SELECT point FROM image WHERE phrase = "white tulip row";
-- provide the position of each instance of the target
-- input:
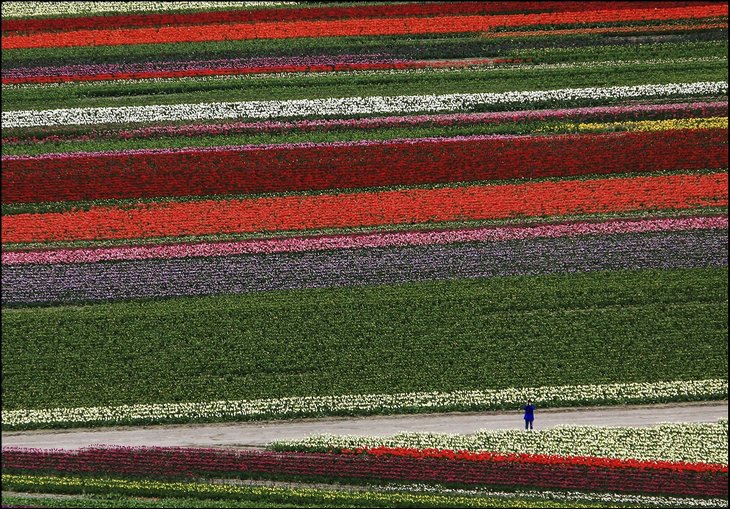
(32, 9)
(562, 496)
(566, 395)
(689, 442)
(341, 106)
(371, 72)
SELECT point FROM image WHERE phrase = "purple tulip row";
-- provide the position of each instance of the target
(82, 69)
(159, 278)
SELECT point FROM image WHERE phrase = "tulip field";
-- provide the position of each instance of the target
(236, 211)
(634, 465)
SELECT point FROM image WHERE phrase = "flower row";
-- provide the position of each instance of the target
(318, 405)
(135, 279)
(389, 207)
(644, 125)
(344, 27)
(231, 69)
(268, 68)
(14, 9)
(223, 76)
(291, 14)
(350, 106)
(358, 241)
(302, 167)
(534, 471)
(699, 443)
(539, 459)
(183, 494)
(566, 497)
(595, 113)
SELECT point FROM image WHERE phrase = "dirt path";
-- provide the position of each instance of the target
(257, 434)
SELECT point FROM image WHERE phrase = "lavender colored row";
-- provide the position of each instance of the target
(107, 281)
(370, 240)
(234, 63)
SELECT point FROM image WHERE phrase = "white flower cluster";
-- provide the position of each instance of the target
(32, 9)
(342, 105)
(329, 405)
(561, 496)
(688, 442)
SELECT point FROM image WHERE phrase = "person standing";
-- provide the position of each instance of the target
(529, 414)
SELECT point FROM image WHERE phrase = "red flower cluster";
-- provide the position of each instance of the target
(537, 459)
(182, 462)
(342, 27)
(371, 208)
(273, 168)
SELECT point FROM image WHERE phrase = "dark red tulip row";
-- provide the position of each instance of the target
(345, 27)
(184, 462)
(279, 168)
(381, 208)
(321, 13)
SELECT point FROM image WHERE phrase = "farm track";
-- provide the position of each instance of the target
(257, 434)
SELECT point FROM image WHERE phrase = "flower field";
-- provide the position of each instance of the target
(224, 211)
(503, 464)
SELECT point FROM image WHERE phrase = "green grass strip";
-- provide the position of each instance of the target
(644, 326)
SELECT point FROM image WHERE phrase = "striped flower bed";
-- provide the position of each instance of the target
(696, 444)
(236, 210)
(363, 404)
(521, 470)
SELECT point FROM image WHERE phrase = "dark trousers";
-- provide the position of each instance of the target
(528, 423)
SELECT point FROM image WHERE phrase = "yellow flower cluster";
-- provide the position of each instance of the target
(640, 125)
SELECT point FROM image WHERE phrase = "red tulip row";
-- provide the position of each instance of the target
(390, 207)
(182, 462)
(278, 168)
(320, 13)
(538, 458)
(233, 71)
(344, 27)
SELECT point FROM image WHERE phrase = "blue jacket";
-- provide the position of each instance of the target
(529, 412)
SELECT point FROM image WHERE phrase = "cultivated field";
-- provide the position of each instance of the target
(215, 212)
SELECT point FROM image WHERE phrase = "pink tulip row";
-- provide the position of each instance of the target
(360, 241)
